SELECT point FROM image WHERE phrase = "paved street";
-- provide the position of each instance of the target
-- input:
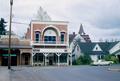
(74, 73)
(4, 74)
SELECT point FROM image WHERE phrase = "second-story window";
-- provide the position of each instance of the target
(62, 37)
(37, 36)
(50, 36)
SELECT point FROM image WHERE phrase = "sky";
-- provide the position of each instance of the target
(100, 18)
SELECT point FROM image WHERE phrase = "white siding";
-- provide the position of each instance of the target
(94, 57)
(115, 48)
(97, 48)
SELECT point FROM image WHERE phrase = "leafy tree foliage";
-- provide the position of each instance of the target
(83, 60)
(2, 27)
(111, 58)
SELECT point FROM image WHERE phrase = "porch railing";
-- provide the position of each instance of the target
(49, 42)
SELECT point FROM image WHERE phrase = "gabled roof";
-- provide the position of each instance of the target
(97, 48)
(87, 48)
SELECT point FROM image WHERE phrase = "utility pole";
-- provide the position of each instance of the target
(9, 50)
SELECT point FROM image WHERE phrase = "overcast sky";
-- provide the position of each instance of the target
(100, 18)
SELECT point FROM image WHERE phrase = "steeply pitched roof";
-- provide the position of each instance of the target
(71, 37)
(81, 30)
(86, 38)
(87, 48)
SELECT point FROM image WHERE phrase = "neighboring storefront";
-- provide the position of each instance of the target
(20, 51)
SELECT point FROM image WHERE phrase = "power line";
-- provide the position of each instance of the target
(20, 23)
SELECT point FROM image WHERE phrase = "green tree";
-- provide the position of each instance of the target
(2, 27)
(83, 60)
(111, 58)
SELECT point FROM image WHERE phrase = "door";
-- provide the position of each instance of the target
(50, 60)
(14, 60)
(27, 57)
(4, 60)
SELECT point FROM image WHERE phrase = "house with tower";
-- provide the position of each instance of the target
(81, 44)
(75, 39)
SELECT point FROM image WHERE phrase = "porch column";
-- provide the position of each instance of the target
(20, 58)
(116, 56)
(70, 58)
(32, 58)
(58, 54)
(21, 52)
(33, 53)
(45, 54)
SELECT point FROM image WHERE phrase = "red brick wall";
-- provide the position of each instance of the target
(40, 27)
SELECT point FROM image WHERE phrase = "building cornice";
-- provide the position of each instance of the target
(50, 22)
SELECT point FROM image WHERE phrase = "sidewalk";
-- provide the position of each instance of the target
(4, 74)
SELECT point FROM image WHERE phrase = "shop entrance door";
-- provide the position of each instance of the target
(27, 59)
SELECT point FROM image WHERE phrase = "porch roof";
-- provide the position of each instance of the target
(117, 52)
(16, 46)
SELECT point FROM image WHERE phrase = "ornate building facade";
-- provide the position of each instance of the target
(50, 43)
(45, 43)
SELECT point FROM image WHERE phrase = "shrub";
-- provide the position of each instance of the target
(83, 60)
(111, 58)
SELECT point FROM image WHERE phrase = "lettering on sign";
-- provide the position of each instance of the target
(36, 50)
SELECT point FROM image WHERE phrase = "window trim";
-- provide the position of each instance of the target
(37, 32)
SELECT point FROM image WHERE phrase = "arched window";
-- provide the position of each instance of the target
(50, 36)
(37, 36)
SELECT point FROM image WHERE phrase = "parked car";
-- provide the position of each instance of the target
(102, 62)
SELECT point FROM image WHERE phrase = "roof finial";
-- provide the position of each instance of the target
(81, 31)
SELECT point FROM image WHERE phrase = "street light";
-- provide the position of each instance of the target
(9, 50)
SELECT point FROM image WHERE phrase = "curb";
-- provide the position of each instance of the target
(114, 69)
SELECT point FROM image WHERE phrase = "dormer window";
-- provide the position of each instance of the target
(96, 48)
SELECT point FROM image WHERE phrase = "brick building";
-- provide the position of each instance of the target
(50, 43)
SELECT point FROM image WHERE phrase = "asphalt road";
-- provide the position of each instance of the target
(72, 73)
